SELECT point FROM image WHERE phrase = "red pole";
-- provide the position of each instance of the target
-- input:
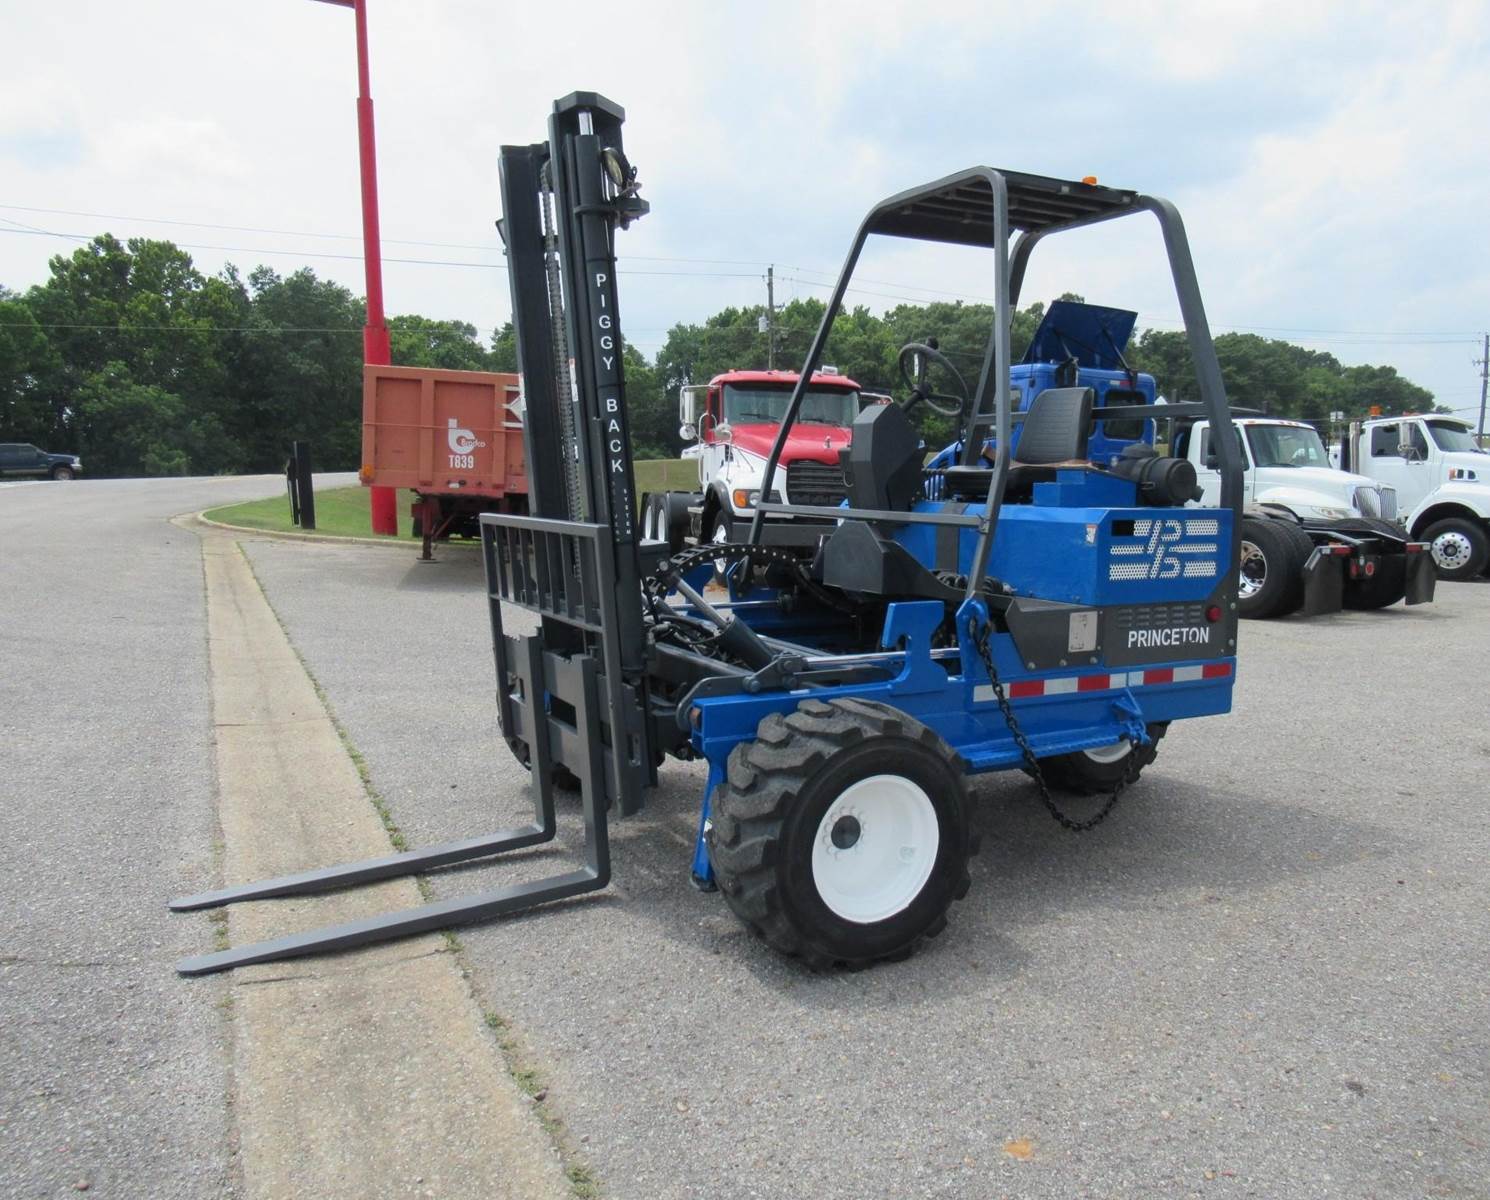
(383, 501)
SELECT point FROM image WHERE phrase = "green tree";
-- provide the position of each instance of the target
(452, 345)
(27, 360)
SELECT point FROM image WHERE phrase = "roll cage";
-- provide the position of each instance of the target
(978, 208)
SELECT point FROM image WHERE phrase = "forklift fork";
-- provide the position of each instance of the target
(591, 769)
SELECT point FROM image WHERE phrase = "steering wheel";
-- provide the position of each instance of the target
(915, 368)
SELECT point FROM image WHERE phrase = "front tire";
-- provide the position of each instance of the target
(1459, 546)
(63, 473)
(840, 835)
(718, 534)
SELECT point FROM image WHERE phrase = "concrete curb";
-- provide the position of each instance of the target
(361, 1074)
(288, 536)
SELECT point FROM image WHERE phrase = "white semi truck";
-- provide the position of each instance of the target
(1313, 537)
(1441, 478)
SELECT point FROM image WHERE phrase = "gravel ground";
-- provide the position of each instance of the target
(1265, 976)
(114, 1074)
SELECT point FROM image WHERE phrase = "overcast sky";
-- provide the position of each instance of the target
(1330, 161)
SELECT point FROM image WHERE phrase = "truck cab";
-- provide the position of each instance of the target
(1078, 345)
(1285, 466)
(732, 422)
(1441, 477)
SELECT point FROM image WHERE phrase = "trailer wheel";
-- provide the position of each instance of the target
(840, 835)
(665, 518)
(1099, 770)
(1459, 547)
(1271, 569)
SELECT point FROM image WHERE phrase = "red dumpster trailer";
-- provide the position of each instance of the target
(453, 438)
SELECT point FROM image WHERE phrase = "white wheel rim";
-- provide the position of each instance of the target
(721, 536)
(1109, 754)
(875, 848)
(1450, 550)
(1254, 572)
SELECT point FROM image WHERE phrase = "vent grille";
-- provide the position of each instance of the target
(1166, 548)
(814, 483)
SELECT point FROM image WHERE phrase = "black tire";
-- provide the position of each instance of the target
(1087, 775)
(1460, 548)
(1272, 569)
(665, 518)
(649, 508)
(1303, 547)
(63, 473)
(773, 810)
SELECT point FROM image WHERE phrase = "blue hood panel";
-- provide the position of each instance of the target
(1095, 335)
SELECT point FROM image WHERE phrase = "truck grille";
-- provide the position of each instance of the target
(1377, 501)
(814, 483)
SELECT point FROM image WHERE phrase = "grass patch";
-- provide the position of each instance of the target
(342, 511)
(345, 511)
(666, 475)
(582, 1182)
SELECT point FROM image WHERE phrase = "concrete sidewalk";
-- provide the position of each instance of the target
(356, 1075)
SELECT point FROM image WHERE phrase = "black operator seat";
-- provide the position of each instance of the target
(882, 464)
(1055, 433)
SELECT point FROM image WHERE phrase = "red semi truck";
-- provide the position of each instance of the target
(733, 421)
(453, 438)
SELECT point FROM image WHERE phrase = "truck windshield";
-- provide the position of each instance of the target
(1452, 437)
(1286, 446)
(767, 405)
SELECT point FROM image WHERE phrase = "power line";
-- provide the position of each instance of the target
(343, 237)
(426, 262)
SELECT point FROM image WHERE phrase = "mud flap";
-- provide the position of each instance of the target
(1324, 582)
(1421, 577)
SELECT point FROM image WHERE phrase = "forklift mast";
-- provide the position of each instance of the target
(562, 203)
(575, 558)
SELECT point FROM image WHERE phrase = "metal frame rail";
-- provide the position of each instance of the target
(978, 207)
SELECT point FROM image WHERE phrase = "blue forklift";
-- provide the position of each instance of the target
(1045, 602)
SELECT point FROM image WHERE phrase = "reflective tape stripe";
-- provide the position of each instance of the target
(1025, 689)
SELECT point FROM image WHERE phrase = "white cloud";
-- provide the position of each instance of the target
(1325, 157)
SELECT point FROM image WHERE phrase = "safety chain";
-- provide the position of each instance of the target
(982, 639)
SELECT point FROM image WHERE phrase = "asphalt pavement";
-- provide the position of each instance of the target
(113, 1077)
(1266, 975)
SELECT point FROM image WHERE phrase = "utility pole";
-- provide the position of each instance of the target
(1484, 365)
(771, 329)
(383, 501)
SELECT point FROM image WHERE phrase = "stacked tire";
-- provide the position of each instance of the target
(1272, 570)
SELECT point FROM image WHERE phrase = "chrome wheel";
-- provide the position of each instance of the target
(1451, 550)
(721, 536)
(1254, 571)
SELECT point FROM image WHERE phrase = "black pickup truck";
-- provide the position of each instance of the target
(21, 461)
